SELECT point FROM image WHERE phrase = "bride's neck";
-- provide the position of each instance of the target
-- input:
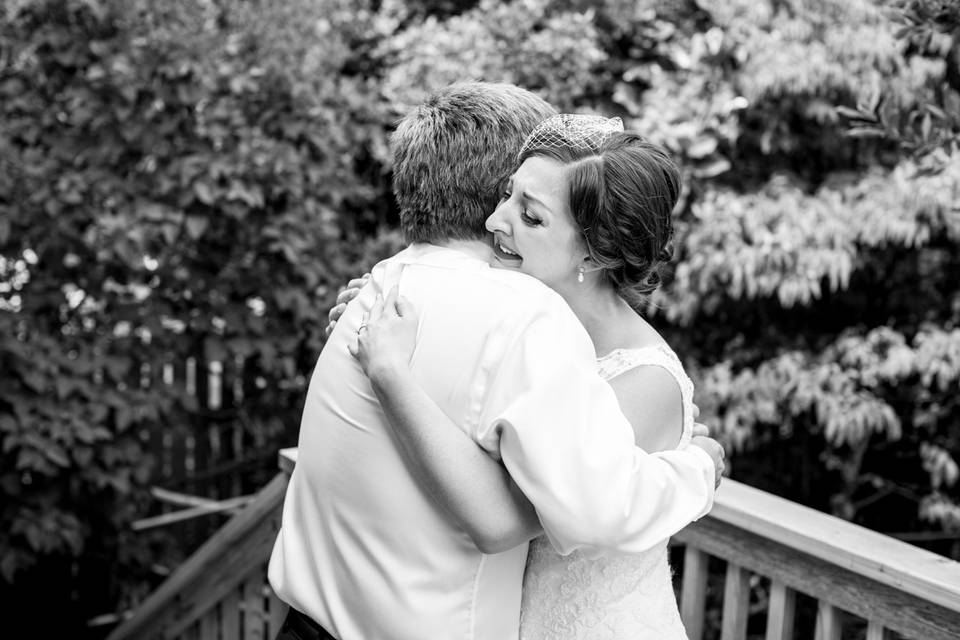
(603, 313)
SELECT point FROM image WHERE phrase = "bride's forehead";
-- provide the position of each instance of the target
(539, 171)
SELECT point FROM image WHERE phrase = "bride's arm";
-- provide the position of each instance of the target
(476, 490)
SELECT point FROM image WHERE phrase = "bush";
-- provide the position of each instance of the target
(172, 185)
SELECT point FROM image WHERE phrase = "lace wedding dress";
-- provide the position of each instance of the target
(607, 595)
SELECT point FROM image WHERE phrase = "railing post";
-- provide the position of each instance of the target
(209, 624)
(780, 615)
(875, 631)
(693, 597)
(736, 602)
(828, 622)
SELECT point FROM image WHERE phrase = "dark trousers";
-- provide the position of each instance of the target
(297, 626)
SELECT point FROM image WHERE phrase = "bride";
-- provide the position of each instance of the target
(587, 212)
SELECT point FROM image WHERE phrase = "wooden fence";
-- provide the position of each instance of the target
(206, 463)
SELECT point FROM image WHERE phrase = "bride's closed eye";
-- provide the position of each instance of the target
(529, 220)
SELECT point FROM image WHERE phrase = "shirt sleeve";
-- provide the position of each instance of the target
(559, 430)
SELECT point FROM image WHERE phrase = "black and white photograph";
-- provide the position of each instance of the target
(480, 319)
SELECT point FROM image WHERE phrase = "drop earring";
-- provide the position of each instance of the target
(580, 273)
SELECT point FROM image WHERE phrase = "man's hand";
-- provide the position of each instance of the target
(346, 294)
(715, 450)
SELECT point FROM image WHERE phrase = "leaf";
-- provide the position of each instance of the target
(204, 192)
(702, 148)
(8, 423)
(63, 386)
(123, 418)
(713, 169)
(34, 379)
(118, 367)
(82, 455)
(57, 455)
(855, 114)
(865, 132)
(197, 226)
(170, 233)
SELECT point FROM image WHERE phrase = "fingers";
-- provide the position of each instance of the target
(357, 283)
(700, 429)
(391, 301)
(335, 312)
(353, 346)
(715, 450)
(696, 411)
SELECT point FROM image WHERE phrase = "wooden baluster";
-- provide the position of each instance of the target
(780, 615)
(736, 600)
(693, 596)
(253, 608)
(191, 633)
(828, 622)
(209, 624)
(230, 613)
(875, 631)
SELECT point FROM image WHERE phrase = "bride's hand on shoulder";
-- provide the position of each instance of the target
(387, 336)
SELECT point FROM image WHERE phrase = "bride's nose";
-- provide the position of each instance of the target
(497, 221)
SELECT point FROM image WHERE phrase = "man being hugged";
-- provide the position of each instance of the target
(365, 550)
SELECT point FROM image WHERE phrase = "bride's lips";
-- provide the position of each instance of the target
(504, 253)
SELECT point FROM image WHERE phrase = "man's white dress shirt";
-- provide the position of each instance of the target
(366, 552)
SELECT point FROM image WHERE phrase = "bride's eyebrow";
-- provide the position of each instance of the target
(532, 198)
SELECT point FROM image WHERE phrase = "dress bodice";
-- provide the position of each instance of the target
(607, 595)
(621, 360)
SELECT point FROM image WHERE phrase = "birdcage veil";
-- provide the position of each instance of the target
(574, 130)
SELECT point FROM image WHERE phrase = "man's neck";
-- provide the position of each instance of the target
(474, 248)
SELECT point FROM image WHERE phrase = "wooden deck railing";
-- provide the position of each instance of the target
(858, 582)
(221, 592)
(859, 579)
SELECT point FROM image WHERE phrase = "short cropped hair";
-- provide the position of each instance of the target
(451, 152)
(622, 198)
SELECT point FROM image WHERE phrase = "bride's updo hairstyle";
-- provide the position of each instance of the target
(622, 193)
